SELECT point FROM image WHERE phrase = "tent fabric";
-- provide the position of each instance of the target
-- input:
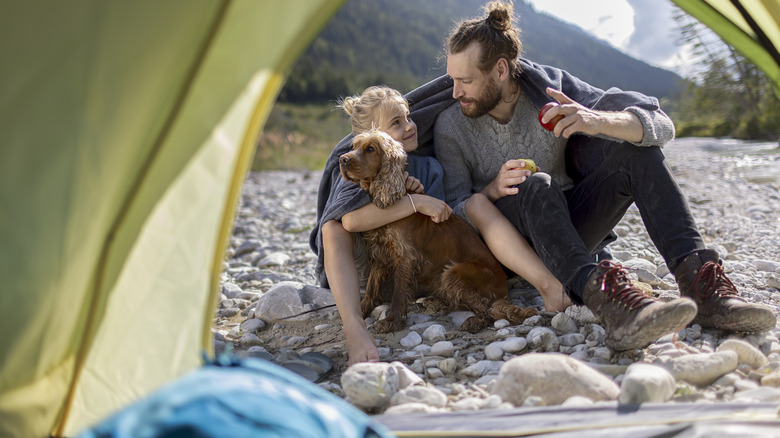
(750, 26)
(239, 398)
(126, 131)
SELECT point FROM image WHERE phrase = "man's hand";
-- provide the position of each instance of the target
(413, 185)
(577, 118)
(512, 173)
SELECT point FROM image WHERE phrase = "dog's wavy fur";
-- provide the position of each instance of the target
(415, 257)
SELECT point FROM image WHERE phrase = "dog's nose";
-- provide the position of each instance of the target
(344, 160)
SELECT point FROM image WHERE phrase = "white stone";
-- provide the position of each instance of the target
(434, 333)
(419, 394)
(411, 408)
(746, 353)
(646, 383)
(543, 339)
(443, 348)
(703, 369)
(765, 265)
(563, 323)
(406, 377)
(553, 377)
(370, 385)
(411, 340)
(459, 317)
(448, 366)
(482, 368)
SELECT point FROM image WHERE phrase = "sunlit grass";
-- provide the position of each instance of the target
(299, 137)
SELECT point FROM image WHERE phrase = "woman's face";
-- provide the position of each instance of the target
(400, 126)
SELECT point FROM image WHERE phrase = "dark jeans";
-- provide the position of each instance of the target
(567, 228)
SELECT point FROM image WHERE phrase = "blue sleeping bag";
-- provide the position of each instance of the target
(239, 398)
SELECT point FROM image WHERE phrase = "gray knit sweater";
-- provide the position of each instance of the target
(472, 151)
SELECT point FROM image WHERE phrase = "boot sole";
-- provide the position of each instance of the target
(744, 320)
(669, 318)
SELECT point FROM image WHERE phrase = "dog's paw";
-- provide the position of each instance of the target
(388, 325)
(474, 324)
(517, 314)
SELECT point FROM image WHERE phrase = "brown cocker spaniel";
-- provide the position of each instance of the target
(416, 257)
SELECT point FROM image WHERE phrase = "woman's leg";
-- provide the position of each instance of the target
(340, 268)
(514, 252)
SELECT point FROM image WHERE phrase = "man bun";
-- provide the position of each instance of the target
(499, 15)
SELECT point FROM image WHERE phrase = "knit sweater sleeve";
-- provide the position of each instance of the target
(451, 142)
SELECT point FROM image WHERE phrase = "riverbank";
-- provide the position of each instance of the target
(736, 214)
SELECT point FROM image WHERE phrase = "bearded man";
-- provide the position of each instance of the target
(603, 155)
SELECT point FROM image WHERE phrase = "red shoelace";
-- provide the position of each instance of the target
(617, 286)
(714, 280)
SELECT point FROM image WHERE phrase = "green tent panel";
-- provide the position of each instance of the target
(750, 26)
(126, 130)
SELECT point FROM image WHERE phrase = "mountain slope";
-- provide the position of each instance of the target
(400, 43)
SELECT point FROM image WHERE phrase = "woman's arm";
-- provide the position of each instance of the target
(370, 216)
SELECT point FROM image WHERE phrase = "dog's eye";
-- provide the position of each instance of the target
(370, 149)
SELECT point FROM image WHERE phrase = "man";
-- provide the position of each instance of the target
(568, 213)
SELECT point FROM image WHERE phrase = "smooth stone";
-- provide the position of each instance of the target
(406, 377)
(411, 340)
(543, 339)
(448, 366)
(253, 325)
(370, 385)
(434, 333)
(482, 368)
(563, 323)
(704, 368)
(746, 353)
(443, 348)
(420, 394)
(411, 408)
(291, 299)
(553, 377)
(646, 383)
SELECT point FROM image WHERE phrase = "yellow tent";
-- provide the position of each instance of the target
(750, 26)
(126, 130)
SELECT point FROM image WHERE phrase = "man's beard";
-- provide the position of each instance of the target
(485, 103)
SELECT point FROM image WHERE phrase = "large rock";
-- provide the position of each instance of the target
(646, 383)
(370, 385)
(552, 377)
(290, 298)
(703, 369)
(746, 353)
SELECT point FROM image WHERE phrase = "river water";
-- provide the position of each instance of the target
(757, 162)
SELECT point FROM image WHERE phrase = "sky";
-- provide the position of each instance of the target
(643, 29)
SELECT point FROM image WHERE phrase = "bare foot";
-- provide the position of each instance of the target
(361, 346)
(555, 301)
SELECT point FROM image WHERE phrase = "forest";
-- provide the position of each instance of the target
(400, 43)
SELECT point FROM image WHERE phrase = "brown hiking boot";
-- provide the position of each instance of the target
(632, 319)
(701, 277)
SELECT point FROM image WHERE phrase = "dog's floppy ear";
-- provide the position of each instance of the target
(389, 185)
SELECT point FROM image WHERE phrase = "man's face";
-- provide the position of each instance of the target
(477, 92)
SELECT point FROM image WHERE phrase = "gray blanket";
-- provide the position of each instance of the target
(337, 197)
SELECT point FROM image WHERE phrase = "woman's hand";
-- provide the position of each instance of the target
(413, 185)
(437, 209)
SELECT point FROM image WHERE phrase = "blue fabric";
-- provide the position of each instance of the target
(247, 398)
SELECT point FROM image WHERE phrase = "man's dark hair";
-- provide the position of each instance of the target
(495, 34)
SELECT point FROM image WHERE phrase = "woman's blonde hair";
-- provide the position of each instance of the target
(367, 110)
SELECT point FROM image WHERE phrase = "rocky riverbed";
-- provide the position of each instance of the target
(549, 359)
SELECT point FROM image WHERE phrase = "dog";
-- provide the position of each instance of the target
(416, 257)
